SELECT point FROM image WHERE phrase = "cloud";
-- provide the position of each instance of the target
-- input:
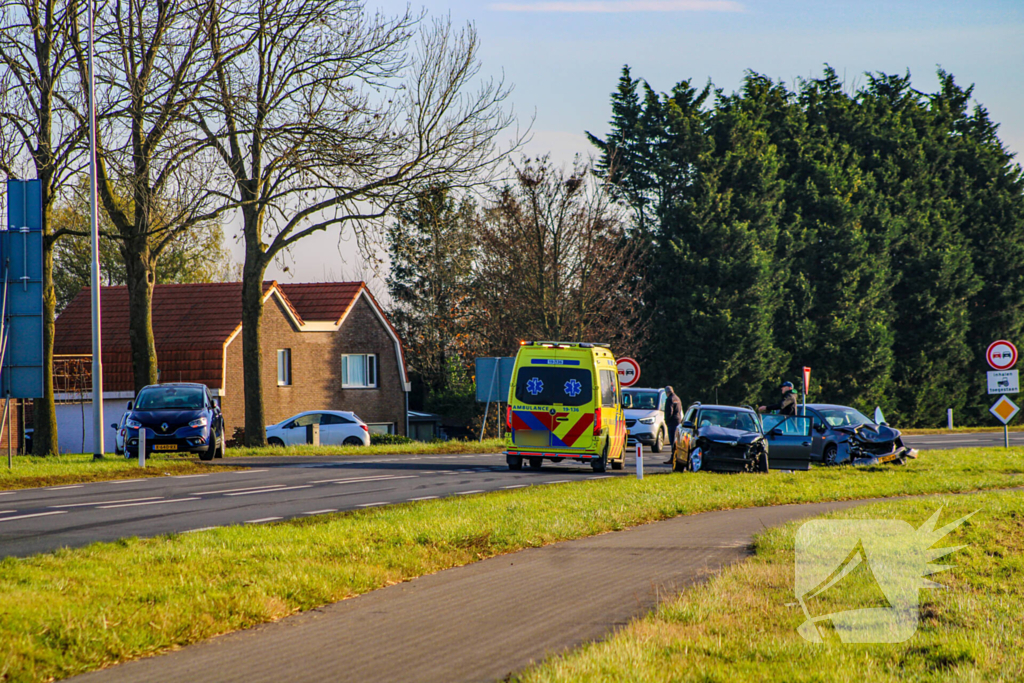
(616, 6)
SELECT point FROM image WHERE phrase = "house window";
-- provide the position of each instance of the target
(284, 367)
(359, 370)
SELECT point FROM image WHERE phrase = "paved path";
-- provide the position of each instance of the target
(960, 440)
(482, 621)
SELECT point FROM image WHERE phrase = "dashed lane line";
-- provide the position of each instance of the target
(370, 505)
(189, 476)
(356, 480)
(515, 486)
(247, 488)
(36, 514)
(320, 512)
(152, 502)
(248, 471)
(262, 519)
(278, 490)
(466, 493)
(6, 512)
(65, 488)
(104, 502)
(422, 498)
(202, 528)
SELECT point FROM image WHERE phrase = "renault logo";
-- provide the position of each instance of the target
(164, 426)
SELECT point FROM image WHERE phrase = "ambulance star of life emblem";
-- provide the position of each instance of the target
(535, 386)
(573, 388)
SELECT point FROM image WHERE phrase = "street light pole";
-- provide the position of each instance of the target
(97, 346)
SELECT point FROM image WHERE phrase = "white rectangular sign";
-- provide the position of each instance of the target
(1003, 382)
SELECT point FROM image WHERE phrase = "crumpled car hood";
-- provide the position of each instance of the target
(872, 434)
(721, 434)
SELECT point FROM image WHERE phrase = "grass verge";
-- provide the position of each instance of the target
(58, 470)
(738, 627)
(72, 611)
(417, 448)
(959, 430)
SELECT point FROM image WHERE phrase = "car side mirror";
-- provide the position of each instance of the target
(776, 432)
(113, 425)
(688, 425)
(820, 428)
(129, 405)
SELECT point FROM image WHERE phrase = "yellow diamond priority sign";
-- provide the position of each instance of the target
(1004, 409)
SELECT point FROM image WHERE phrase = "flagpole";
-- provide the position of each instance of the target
(97, 346)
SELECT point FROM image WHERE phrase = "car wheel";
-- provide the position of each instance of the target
(219, 453)
(762, 462)
(352, 441)
(210, 452)
(618, 464)
(696, 460)
(535, 463)
(830, 454)
(515, 463)
(599, 465)
(276, 442)
(659, 442)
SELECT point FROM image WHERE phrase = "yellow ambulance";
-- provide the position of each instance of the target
(565, 403)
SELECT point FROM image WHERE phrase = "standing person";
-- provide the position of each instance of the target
(787, 406)
(673, 418)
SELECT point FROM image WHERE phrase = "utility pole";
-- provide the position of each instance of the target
(97, 346)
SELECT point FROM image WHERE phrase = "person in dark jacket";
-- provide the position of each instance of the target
(673, 418)
(787, 406)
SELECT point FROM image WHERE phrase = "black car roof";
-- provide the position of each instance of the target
(831, 405)
(174, 384)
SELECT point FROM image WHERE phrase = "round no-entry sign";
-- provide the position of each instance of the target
(629, 372)
(1001, 355)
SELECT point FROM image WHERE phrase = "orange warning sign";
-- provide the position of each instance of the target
(1004, 409)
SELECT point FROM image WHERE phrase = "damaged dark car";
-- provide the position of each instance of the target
(845, 435)
(733, 439)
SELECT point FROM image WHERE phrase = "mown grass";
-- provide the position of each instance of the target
(58, 470)
(739, 627)
(75, 610)
(416, 448)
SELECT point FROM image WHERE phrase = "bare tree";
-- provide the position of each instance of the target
(556, 263)
(334, 117)
(40, 134)
(153, 60)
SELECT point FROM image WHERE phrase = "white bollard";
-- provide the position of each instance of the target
(142, 447)
(639, 460)
(949, 418)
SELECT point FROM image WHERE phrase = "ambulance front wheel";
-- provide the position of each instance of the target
(514, 462)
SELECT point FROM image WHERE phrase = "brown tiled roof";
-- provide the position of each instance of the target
(322, 300)
(190, 325)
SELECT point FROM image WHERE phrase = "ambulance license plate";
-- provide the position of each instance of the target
(532, 438)
(165, 447)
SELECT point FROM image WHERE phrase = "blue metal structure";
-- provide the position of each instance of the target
(21, 279)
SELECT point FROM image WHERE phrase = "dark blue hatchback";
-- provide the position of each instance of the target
(178, 418)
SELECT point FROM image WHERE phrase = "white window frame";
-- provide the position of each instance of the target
(371, 370)
(284, 379)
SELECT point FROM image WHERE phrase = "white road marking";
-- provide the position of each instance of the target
(559, 481)
(370, 505)
(320, 512)
(64, 488)
(424, 498)
(247, 488)
(264, 519)
(205, 528)
(152, 502)
(356, 480)
(37, 514)
(249, 471)
(466, 493)
(516, 486)
(286, 488)
(189, 476)
(122, 481)
(7, 493)
(6, 512)
(104, 502)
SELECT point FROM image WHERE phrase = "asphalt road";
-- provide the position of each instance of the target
(41, 520)
(481, 621)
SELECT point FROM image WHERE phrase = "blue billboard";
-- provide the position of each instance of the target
(21, 279)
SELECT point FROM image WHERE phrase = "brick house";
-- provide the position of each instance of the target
(325, 346)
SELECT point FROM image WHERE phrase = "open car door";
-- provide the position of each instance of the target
(789, 441)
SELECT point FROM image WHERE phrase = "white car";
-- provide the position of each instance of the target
(644, 410)
(337, 428)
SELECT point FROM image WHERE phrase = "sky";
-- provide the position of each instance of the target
(564, 58)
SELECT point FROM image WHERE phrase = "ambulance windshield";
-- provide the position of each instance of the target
(546, 386)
